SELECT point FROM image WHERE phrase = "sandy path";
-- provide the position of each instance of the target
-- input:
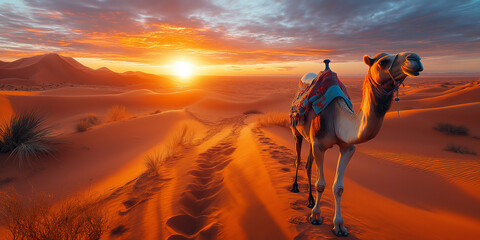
(207, 192)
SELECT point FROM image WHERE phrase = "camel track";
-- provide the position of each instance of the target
(131, 201)
(191, 212)
(199, 218)
(273, 154)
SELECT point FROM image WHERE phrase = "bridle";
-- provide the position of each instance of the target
(397, 84)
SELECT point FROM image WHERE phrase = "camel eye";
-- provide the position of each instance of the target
(383, 63)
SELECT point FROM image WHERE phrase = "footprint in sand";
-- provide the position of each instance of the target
(281, 153)
(131, 204)
(197, 201)
(211, 232)
(186, 224)
(299, 204)
(119, 230)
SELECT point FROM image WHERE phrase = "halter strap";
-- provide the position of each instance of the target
(380, 89)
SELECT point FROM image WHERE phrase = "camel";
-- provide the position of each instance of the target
(338, 124)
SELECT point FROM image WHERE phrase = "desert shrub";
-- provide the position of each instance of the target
(450, 129)
(156, 112)
(273, 119)
(85, 123)
(117, 113)
(26, 137)
(252, 111)
(36, 218)
(459, 149)
(156, 159)
(82, 125)
(182, 138)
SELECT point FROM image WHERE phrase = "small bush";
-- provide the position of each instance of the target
(82, 125)
(117, 113)
(273, 119)
(156, 112)
(154, 160)
(184, 137)
(248, 112)
(85, 123)
(26, 137)
(450, 129)
(459, 149)
(35, 218)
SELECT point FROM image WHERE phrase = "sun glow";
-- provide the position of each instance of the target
(183, 69)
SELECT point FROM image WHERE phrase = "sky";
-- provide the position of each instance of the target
(243, 37)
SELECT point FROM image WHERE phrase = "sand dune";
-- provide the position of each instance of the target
(233, 180)
(463, 94)
(52, 69)
(65, 108)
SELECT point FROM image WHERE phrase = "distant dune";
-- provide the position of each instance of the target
(43, 70)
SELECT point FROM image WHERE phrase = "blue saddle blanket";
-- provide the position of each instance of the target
(317, 95)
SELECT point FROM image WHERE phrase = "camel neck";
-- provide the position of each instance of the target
(375, 105)
(375, 99)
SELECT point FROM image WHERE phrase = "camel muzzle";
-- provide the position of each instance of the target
(412, 65)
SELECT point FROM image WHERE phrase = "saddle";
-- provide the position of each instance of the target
(317, 92)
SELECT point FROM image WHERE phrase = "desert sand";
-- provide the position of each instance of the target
(233, 180)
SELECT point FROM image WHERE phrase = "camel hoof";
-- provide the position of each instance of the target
(295, 188)
(316, 221)
(340, 233)
(311, 202)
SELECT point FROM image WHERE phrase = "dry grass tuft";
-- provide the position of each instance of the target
(156, 112)
(26, 137)
(85, 123)
(156, 159)
(252, 111)
(273, 119)
(82, 125)
(35, 218)
(450, 129)
(182, 138)
(459, 149)
(117, 113)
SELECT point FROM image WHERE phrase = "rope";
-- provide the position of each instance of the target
(397, 86)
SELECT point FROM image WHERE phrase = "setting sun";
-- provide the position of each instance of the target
(183, 69)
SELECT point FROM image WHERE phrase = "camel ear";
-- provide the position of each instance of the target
(368, 60)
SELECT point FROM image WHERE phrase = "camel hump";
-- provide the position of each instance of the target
(308, 78)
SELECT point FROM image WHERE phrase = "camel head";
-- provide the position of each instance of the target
(386, 69)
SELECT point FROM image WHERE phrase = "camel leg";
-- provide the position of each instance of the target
(311, 200)
(318, 153)
(298, 148)
(346, 153)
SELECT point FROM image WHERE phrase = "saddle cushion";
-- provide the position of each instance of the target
(321, 92)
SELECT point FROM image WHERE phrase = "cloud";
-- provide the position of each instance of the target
(239, 32)
(286, 68)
